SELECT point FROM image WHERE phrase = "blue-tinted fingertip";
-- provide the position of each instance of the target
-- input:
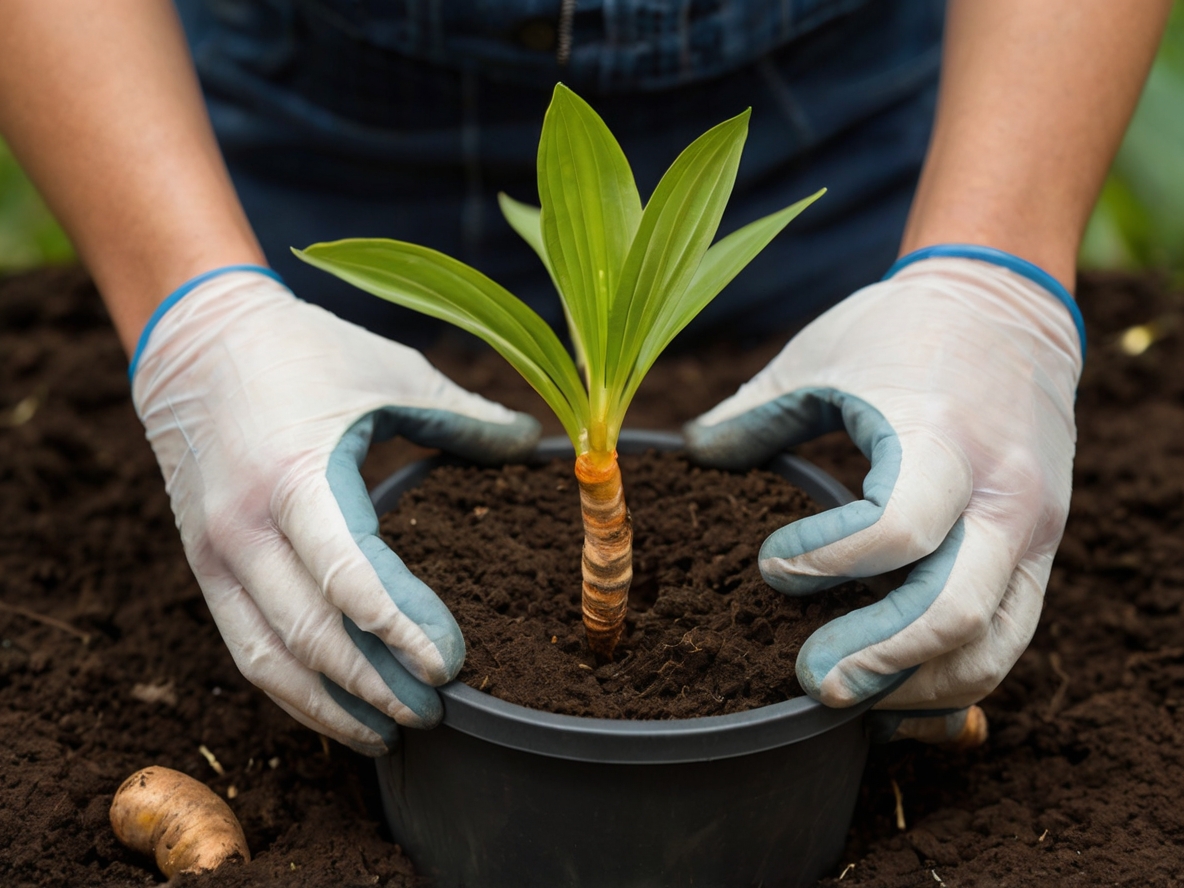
(410, 594)
(380, 724)
(876, 623)
(408, 690)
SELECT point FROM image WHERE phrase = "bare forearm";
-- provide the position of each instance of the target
(99, 101)
(1034, 100)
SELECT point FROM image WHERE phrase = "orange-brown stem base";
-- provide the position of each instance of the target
(608, 551)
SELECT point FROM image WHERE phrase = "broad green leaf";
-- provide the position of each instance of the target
(590, 211)
(524, 219)
(676, 229)
(430, 282)
(721, 263)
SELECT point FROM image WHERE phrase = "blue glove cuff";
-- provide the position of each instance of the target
(1022, 267)
(175, 297)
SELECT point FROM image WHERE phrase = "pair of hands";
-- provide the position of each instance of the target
(956, 377)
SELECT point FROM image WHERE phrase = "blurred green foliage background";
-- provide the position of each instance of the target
(29, 236)
(1139, 219)
(1138, 223)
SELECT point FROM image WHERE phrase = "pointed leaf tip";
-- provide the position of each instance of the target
(566, 97)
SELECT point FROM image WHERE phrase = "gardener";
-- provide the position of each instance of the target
(956, 373)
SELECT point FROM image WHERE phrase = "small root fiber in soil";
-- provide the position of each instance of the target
(704, 634)
(109, 660)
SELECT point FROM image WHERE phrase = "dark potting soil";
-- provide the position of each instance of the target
(109, 660)
(704, 634)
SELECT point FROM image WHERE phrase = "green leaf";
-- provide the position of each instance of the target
(430, 282)
(590, 211)
(524, 219)
(721, 263)
(676, 229)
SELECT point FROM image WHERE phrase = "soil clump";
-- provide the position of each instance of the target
(109, 660)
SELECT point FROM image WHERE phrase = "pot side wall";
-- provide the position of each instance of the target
(472, 814)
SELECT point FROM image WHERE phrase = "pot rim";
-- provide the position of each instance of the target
(627, 741)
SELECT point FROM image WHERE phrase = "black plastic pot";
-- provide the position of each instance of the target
(500, 796)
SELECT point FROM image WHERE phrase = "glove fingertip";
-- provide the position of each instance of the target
(775, 570)
(780, 553)
(720, 446)
(438, 651)
(450, 644)
(810, 681)
(381, 724)
(796, 585)
(823, 675)
(481, 440)
(422, 704)
(514, 441)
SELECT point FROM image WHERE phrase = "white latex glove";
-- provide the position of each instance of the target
(956, 377)
(260, 408)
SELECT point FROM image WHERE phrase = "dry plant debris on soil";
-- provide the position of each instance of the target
(109, 661)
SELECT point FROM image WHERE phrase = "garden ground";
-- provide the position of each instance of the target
(109, 660)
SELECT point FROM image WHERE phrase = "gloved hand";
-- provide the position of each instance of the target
(956, 377)
(260, 408)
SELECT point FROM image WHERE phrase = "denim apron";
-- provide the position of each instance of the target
(404, 118)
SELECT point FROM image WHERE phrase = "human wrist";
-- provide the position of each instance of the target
(1003, 259)
(964, 197)
(179, 293)
(1001, 218)
(135, 274)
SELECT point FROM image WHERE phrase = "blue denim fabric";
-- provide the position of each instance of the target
(404, 118)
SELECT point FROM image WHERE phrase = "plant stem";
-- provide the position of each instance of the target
(608, 550)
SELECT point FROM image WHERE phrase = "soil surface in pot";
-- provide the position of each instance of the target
(704, 634)
(109, 660)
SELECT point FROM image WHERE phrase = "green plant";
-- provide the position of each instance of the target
(630, 278)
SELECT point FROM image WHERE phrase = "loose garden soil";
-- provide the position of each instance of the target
(109, 660)
(705, 635)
